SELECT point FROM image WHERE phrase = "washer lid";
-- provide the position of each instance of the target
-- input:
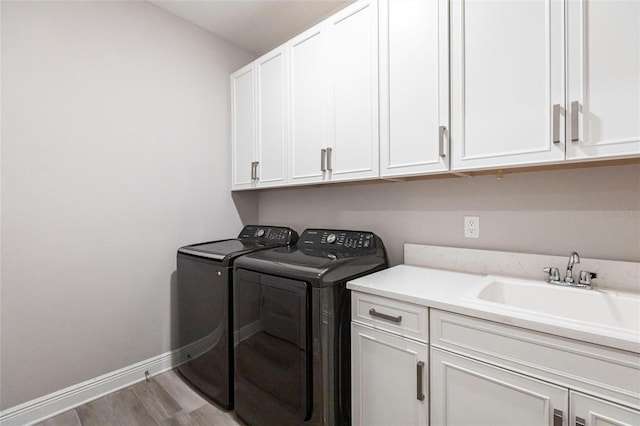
(221, 249)
(251, 238)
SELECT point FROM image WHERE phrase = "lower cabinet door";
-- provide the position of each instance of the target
(590, 411)
(468, 392)
(389, 379)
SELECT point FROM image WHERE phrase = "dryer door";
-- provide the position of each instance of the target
(272, 349)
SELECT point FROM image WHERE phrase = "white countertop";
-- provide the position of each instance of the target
(441, 289)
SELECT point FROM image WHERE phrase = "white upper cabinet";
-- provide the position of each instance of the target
(242, 128)
(352, 41)
(390, 88)
(259, 122)
(414, 87)
(507, 74)
(334, 98)
(603, 78)
(308, 96)
(271, 143)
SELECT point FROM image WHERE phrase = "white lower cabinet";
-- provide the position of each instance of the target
(469, 392)
(389, 378)
(486, 373)
(589, 411)
(389, 362)
(467, 371)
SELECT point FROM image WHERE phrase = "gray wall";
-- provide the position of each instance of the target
(595, 211)
(115, 151)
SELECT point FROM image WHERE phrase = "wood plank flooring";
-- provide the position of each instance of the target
(165, 400)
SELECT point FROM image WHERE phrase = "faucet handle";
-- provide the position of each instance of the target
(586, 277)
(554, 273)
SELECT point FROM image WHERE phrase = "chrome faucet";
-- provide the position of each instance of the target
(574, 258)
(584, 279)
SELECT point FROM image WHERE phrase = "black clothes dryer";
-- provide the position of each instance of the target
(204, 306)
(292, 312)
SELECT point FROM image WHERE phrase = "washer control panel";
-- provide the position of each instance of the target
(338, 239)
(269, 234)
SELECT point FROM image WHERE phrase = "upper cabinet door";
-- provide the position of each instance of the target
(242, 127)
(603, 78)
(353, 95)
(308, 103)
(414, 87)
(507, 83)
(272, 132)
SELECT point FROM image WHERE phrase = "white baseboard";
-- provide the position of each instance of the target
(58, 402)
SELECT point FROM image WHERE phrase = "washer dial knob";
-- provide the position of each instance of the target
(260, 232)
(331, 238)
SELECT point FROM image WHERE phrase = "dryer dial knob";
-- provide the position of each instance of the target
(260, 232)
(331, 238)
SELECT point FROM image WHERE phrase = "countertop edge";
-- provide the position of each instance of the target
(393, 283)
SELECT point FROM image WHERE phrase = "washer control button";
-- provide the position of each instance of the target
(331, 238)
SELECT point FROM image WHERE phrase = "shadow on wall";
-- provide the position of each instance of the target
(246, 203)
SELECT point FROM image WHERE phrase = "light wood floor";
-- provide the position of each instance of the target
(164, 400)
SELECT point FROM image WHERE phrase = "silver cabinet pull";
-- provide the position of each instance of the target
(575, 129)
(580, 421)
(558, 417)
(419, 390)
(329, 150)
(373, 313)
(256, 170)
(556, 123)
(442, 134)
(253, 170)
(323, 160)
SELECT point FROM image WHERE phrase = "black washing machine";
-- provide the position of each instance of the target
(292, 312)
(204, 306)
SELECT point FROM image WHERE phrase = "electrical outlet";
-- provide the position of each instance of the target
(472, 227)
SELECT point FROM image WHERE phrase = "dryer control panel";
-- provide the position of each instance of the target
(338, 240)
(269, 234)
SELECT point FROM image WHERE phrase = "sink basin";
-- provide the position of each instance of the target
(600, 308)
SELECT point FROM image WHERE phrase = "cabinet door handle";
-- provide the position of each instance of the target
(253, 170)
(575, 123)
(556, 123)
(419, 374)
(329, 150)
(373, 313)
(558, 417)
(580, 421)
(256, 170)
(442, 133)
(323, 160)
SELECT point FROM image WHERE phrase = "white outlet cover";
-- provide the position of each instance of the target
(472, 227)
